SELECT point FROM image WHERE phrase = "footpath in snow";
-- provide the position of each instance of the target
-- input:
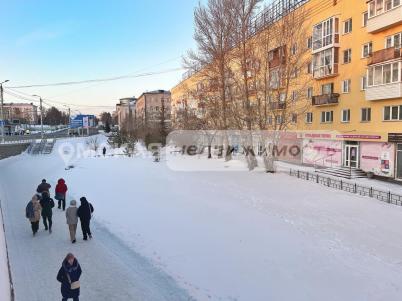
(111, 270)
(229, 235)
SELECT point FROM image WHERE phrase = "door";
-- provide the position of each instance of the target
(399, 162)
(351, 156)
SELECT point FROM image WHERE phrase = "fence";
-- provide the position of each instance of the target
(382, 195)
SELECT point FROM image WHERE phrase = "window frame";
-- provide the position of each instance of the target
(391, 111)
(367, 113)
(347, 26)
(309, 118)
(369, 46)
(328, 116)
(348, 83)
(347, 111)
(349, 52)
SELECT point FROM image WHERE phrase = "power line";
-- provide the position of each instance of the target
(97, 80)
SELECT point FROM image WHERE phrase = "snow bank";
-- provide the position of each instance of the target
(4, 276)
(247, 235)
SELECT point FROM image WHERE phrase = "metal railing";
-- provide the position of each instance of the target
(381, 195)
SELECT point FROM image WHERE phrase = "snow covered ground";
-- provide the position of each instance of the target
(4, 277)
(233, 235)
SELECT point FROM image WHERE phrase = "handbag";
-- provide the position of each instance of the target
(75, 285)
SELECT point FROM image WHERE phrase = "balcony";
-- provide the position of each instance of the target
(326, 99)
(384, 55)
(381, 92)
(277, 57)
(325, 71)
(278, 105)
(383, 15)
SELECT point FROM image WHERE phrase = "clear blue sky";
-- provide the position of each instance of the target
(53, 41)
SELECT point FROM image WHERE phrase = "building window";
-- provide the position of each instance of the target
(326, 62)
(394, 41)
(282, 97)
(310, 42)
(274, 79)
(363, 85)
(309, 117)
(367, 49)
(365, 18)
(327, 116)
(346, 86)
(327, 89)
(325, 33)
(293, 49)
(378, 7)
(294, 73)
(347, 26)
(309, 67)
(384, 74)
(294, 96)
(392, 113)
(346, 115)
(279, 119)
(366, 115)
(347, 56)
(294, 118)
(269, 120)
(310, 93)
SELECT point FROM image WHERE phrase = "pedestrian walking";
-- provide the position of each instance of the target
(32, 212)
(43, 187)
(104, 151)
(47, 204)
(72, 220)
(85, 213)
(69, 276)
(60, 194)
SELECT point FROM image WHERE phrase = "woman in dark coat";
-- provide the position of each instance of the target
(69, 276)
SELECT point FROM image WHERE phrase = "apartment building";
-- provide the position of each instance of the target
(151, 105)
(21, 113)
(355, 114)
(124, 109)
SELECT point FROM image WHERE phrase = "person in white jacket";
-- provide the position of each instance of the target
(72, 220)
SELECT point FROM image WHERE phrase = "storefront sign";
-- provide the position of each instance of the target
(395, 137)
(326, 153)
(371, 137)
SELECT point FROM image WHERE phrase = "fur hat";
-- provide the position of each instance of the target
(73, 202)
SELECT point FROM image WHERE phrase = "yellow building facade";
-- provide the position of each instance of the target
(355, 118)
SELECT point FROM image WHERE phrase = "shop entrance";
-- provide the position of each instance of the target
(399, 161)
(351, 155)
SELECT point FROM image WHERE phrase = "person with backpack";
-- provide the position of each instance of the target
(72, 220)
(69, 276)
(43, 187)
(47, 204)
(84, 212)
(60, 194)
(32, 212)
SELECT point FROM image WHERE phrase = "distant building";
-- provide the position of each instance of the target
(150, 105)
(125, 110)
(21, 113)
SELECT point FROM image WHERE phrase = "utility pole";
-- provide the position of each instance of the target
(2, 111)
(41, 115)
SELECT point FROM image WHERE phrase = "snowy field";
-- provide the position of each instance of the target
(160, 234)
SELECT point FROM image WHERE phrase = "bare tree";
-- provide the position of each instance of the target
(93, 143)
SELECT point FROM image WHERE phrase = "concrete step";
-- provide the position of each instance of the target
(343, 172)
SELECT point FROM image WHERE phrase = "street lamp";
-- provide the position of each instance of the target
(41, 115)
(2, 110)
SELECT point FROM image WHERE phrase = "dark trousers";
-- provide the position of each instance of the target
(47, 218)
(74, 299)
(35, 226)
(62, 204)
(85, 227)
